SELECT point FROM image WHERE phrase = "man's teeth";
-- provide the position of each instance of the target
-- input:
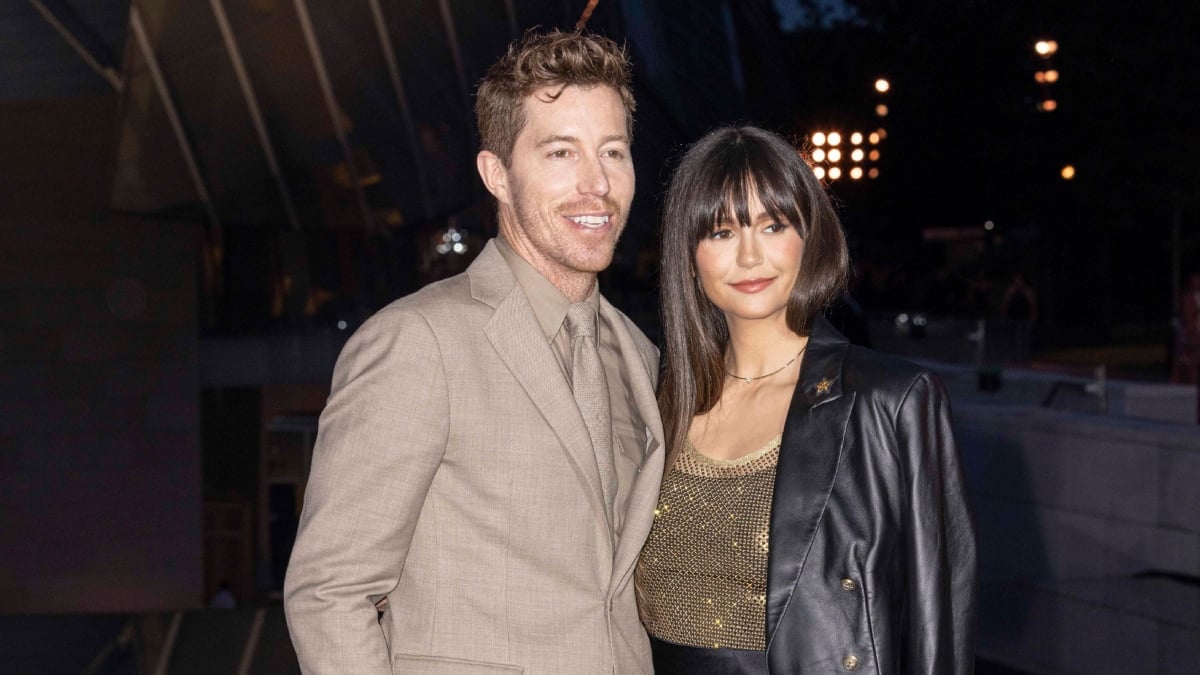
(590, 221)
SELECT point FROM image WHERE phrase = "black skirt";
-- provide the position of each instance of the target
(675, 659)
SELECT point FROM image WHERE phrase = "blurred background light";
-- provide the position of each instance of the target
(1045, 47)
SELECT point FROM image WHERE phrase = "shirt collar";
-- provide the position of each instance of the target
(549, 304)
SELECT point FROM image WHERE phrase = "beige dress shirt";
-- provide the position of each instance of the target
(550, 306)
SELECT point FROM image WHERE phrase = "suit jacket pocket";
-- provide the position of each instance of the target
(443, 665)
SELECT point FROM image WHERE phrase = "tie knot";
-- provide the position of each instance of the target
(581, 320)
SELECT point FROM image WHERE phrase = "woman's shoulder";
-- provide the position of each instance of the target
(868, 372)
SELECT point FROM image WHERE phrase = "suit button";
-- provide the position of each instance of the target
(850, 662)
(848, 585)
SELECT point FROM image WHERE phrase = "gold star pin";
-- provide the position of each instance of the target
(824, 385)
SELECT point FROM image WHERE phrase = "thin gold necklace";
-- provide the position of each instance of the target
(748, 380)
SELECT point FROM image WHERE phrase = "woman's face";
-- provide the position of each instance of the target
(749, 272)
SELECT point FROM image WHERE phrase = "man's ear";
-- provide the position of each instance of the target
(494, 175)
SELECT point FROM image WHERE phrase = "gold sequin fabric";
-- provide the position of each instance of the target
(702, 576)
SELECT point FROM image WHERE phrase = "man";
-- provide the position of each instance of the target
(472, 480)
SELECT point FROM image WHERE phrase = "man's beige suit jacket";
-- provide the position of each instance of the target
(453, 484)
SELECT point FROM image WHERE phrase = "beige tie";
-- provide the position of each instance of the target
(591, 394)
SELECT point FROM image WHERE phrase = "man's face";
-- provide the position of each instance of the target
(564, 198)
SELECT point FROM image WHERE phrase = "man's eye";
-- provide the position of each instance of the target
(615, 154)
(560, 154)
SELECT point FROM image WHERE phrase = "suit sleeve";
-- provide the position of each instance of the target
(381, 438)
(939, 538)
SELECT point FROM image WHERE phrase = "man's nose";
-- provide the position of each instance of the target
(593, 177)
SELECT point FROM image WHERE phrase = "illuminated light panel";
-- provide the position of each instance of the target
(835, 138)
(835, 155)
(856, 138)
(1049, 105)
(873, 138)
(819, 172)
(818, 155)
(1068, 172)
(834, 173)
(881, 110)
(882, 133)
(1051, 76)
(882, 85)
(874, 156)
(857, 155)
(873, 173)
(1039, 76)
(856, 173)
(1045, 47)
(818, 139)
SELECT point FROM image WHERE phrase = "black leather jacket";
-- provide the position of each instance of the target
(872, 563)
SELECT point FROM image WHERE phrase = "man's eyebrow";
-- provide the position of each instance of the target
(559, 138)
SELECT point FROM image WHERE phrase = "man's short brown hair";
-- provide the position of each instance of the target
(537, 60)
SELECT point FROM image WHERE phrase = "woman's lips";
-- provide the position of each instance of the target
(752, 285)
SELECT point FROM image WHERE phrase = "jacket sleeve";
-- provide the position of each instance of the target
(381, 438)
(938, 535)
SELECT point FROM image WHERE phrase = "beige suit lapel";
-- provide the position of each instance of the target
(514, 333)
(644, 493)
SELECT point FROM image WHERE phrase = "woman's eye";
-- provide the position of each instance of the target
(721, 233)
(776, 227)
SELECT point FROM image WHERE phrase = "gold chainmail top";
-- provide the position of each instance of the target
(703, 572)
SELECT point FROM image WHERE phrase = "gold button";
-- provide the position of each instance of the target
(848, 585)
(850, 662)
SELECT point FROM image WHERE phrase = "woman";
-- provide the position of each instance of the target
(812, 518)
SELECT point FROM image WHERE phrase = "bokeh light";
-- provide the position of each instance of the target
(1045, 47)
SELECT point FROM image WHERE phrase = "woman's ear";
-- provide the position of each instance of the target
(494, 175)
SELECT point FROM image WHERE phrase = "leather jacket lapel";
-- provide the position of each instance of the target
(809, 458)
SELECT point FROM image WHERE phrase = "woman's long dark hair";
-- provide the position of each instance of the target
(715, 180)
